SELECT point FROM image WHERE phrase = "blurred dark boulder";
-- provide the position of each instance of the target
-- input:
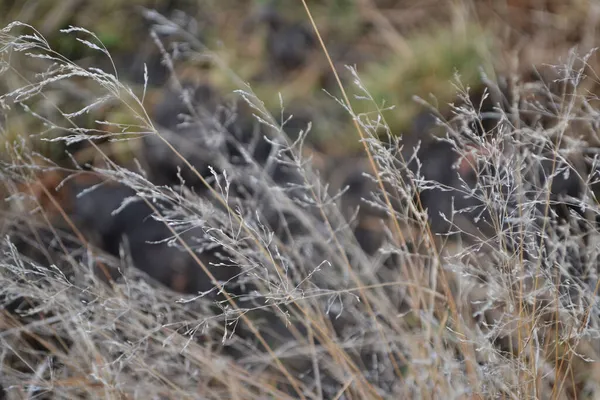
(111, 217)
(217, 137)
(289, 45)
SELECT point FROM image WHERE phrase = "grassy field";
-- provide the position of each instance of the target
(309, 238)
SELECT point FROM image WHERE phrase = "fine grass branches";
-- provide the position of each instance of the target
(463, 266)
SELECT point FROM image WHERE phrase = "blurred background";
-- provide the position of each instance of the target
(400, 48)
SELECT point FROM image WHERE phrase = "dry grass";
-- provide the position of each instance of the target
(504, 308)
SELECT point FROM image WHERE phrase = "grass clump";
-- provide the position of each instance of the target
(483, 283)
